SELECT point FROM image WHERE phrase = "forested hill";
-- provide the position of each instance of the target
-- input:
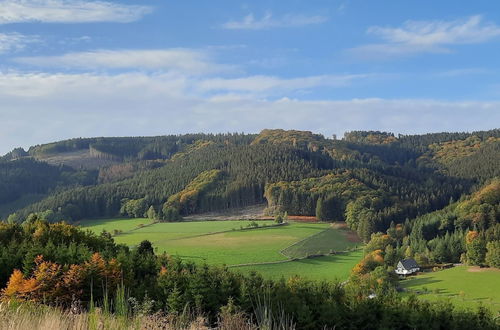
(369, 179)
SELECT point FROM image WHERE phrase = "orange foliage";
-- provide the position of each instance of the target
(53, 283)
(369, 262)
(15, 285)
(471, 236)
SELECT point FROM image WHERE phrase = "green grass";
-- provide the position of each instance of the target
(230, 248)
(222, 242)
(335, 267)
(327, 241)
(123, 224)
(459, 285)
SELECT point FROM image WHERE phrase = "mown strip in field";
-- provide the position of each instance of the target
(118, 224)
(334, 267)
(325, 242)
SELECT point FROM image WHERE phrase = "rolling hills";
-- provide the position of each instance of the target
(368, 179)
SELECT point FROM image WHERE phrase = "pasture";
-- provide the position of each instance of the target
(232, 243)
(334, 267)
(110, 225)
(464, 286)
(323, 242)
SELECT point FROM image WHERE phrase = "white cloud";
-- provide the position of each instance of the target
(57, 106)
(428, 37)
(12, 42)
(269, 83)
(183, 60)
(69, 11)
(249, 22)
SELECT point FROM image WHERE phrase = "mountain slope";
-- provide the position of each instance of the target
(402, 177)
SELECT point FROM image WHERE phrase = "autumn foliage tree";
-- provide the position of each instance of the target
(476, 248)
(56, 284)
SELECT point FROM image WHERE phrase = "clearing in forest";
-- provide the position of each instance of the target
(235, 242)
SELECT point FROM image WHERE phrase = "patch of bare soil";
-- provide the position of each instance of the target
(477, 269)
(253, 212)
(339, 225)
(302, 218)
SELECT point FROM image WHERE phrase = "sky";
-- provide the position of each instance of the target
(73, 68)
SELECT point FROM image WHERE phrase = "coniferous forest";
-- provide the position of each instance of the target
(432, 197)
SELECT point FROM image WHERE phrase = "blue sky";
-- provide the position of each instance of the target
(71, 68)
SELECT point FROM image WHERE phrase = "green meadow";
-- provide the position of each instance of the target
(109, 225)
(324, 242)
(334, 267)
(463, 286)
(233, 243)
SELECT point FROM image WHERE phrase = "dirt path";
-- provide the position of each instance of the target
(253, 212)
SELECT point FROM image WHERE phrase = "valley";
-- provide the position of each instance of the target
(243, 247)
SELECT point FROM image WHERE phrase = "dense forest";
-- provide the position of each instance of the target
(368, 179)
(466, 231)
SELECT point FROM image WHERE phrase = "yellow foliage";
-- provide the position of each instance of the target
(15, 285)
(471, 236)
(369, 262)
(446, 152)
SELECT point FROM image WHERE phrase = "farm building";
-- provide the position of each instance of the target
(407, 266)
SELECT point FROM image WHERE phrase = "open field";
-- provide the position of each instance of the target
(123, 224)
(188, 240)
(224, 242)
(335, 267)
(324, 242)
(464, 286)
(77, 159)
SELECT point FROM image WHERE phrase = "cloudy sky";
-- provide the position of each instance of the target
(74, 68)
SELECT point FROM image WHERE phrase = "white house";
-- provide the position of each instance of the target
(407, 266)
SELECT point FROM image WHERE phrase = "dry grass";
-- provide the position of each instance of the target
(477, 269)
(15, 316)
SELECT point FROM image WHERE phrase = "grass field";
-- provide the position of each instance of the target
(335, 267)
(188, 240)
(123, 224)
(324, 242)
(223, 242)
(464, 286)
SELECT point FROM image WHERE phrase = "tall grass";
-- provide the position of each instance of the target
(121, 312)
(22, 316)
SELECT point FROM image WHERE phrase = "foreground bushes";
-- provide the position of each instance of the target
(137, 283)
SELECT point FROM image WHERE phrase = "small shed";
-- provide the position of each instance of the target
(407, 266)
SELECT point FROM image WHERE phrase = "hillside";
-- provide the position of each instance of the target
(134, 203)
(369, 179)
